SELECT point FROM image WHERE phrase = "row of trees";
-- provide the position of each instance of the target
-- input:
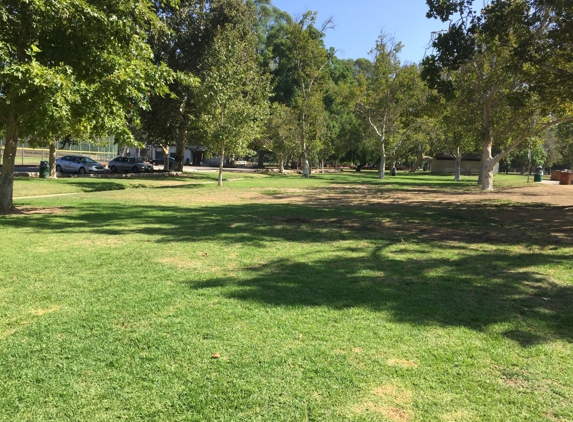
(241, 76)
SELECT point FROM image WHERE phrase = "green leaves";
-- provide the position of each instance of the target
(234, 91)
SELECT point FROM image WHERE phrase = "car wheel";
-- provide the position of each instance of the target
(135, 169)
(114, 169)
(82, 170)
(59, 168)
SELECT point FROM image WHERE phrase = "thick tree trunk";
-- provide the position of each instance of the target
(52, 159)
(487, 165)
(281, 164)
(306, 165)
(8, 161)
(261, 159)
(322, 166)
(220, 181)
(458, 160)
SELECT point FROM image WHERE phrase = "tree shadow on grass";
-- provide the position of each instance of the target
(403, 180)
(318, 221)
(473, 290)
(431, 264)
(85, 185)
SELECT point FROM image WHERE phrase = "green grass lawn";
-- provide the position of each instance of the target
(318, 303)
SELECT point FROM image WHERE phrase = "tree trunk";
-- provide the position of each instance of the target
(281, 164)
(8, 161)
(165, 157)
(487, 165)
(382, 169)
(305, 166)
(322, 166)
(418, 163)
(458, 175)
(180, 147)
(220, 181)
(52, 159)
(261, 159)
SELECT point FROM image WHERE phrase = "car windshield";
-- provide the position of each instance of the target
(87, 160)
(135, 160)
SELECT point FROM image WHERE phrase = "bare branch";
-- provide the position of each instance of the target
(556, 70)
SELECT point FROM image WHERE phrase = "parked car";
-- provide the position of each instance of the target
(133, 164)
(161, 162)
(78, 164)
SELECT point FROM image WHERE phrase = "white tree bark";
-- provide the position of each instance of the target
(165, 149)
(458, 160)
(52, 159)
(220, 180)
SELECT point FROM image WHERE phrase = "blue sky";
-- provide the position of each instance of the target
(359, 22)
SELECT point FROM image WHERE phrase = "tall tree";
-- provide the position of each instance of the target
(281, 133)
(516, 55)
(71, 64)
(234, 91)
(390, 97)
(299, 62)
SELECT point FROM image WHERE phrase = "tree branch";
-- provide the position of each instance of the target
(504, 154)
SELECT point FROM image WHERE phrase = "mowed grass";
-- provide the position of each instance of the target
(281, 299)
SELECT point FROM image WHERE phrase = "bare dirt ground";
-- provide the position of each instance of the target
(546, 194)
(549, 194)
(540, 214)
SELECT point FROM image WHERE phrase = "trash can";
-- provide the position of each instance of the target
(538, 176)
(393, 171)
(44, 170)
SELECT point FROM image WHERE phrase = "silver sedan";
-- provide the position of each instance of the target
(78, 164)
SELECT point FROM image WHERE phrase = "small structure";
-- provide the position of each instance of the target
(446, 163)
(194, 154)
(566, 178)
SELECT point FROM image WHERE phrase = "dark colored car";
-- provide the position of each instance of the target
(161, 162)
(132, 164)
(78, 164)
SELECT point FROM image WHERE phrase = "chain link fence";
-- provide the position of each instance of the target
(105, 151)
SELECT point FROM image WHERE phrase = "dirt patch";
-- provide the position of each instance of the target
(179, 263)
(393, 413)
(390, 401)
(40, 312)
(539, 214)
(403, 363)
(37, 210)
(547, 194)
(457, 416)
